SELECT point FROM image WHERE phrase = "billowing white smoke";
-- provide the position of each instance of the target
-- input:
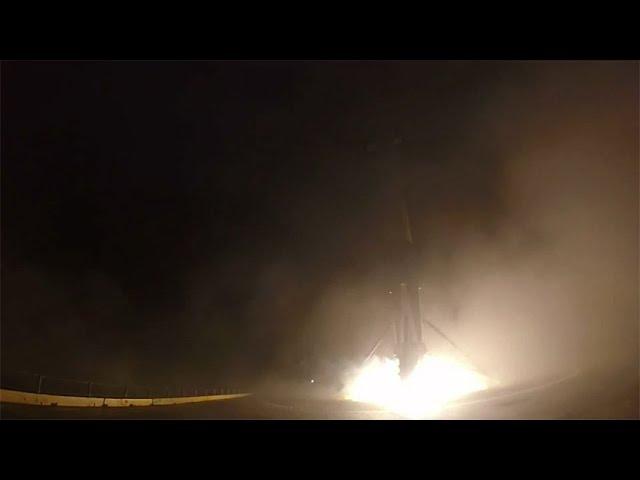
(556, 287)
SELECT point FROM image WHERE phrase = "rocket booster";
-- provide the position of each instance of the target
(409, 342)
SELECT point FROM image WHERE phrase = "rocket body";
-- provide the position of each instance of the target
(409, 342)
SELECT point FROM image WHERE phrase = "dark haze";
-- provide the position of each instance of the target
(187, 221)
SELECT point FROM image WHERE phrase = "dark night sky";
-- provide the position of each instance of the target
(194, 219)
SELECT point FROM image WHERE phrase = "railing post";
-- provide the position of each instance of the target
(40, 377)
(89, 389)
(126, 391)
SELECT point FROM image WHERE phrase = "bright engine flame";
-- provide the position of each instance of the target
(434, 382)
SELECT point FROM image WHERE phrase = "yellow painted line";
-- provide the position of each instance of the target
(128, 402)
(27, 398)
(204, 398)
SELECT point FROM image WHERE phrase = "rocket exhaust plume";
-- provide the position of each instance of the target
(423, 393)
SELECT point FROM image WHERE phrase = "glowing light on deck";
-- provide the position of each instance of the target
(434, 382)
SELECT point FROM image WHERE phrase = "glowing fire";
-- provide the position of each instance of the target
(434, 382)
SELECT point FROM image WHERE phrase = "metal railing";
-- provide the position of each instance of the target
(47, 384)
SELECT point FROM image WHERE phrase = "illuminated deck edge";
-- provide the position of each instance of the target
(28, 398)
